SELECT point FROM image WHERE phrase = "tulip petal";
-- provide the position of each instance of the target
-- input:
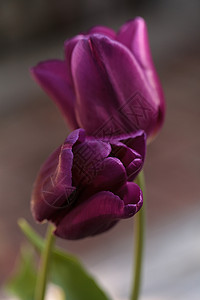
(75, 137)
(134, 35)
(69, 47)
(88, 157)
(93, 216)
(106, 78)
(111, 175)
(103, 30)
(137, 142)
(53, 187)
(132, 197)
(52, 76)
(131, 160)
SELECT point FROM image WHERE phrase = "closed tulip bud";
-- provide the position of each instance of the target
(106, 78)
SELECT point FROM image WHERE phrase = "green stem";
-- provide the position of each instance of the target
(139, 229)
(44, 265)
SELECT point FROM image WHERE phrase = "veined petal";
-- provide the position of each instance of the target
(76, 136)
(53, 186)
(69, 47)
(88, 158)
(137, 142)
(132, 197)
(134, 36)
(131, 160)
(111, 175)
(103, 30)
(52, 76)
(95, 215)
(109, 85)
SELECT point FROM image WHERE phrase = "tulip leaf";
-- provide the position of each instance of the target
(22, 283)
(66, 270)
(68, 273)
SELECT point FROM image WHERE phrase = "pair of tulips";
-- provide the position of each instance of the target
(108, 91)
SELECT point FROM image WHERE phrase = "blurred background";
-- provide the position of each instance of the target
(31, 128)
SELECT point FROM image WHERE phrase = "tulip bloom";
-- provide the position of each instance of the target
(107, 83)
(85, 187)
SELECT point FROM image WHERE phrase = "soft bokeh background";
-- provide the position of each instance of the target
(31, 127)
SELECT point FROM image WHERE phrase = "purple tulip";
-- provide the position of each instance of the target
(107, 83)
(85, 187)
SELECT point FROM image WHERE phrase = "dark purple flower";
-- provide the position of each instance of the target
(85, 187)
(107, 83)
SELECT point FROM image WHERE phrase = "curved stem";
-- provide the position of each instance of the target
(44, 264)
(139, 229)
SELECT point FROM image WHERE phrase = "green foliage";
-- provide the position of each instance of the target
(68, 273)
(65, 271)
(22, 283)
